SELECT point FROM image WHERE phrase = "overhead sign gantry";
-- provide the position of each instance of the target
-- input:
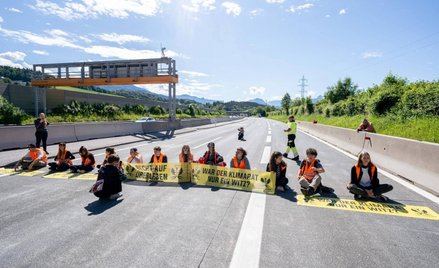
(119, 72)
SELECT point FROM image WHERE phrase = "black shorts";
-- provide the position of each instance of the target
(291, 138)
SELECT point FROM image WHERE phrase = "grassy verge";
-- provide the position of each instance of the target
(421, 128)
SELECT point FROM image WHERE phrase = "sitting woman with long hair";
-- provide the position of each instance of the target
(63, 160)
(278, 166)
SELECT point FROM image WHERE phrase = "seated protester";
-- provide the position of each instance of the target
(111, 176)
(108, 151)
(88, 161)
(241, 134)
(364, 180)
(211, 157)
(240, 160)
(366, 126)
(158, 157)
(278, 166)
(308, 176)
(186, 156)
(63, 160)
(35, 158)
(135, 157)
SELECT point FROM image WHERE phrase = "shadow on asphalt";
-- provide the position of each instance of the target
(289, 194)
(99, 206)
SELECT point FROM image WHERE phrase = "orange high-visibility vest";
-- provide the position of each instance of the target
(69, 161)
(86, 161)
(190, 158)
(34, 154)
(358, 170)
(159, 160)
(235, 163)
(307, 172)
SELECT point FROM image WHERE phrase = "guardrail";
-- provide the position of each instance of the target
(413, 160)
(20, 136)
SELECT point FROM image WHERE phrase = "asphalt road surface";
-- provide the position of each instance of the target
(57, 223)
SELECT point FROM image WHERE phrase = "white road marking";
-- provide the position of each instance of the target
(268, 139)
(405, 183)
(248, 247)
(4, 175)
(266, 155)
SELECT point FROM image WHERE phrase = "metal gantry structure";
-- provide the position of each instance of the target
(119, 72)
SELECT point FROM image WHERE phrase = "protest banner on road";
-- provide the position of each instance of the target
(234, 178)
(168, 172)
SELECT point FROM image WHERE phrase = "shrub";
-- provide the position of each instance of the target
(9, 114)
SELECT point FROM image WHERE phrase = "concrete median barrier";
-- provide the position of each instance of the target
(410, 159)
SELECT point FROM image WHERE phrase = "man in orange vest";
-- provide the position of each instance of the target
(35, 158)
(309, 173)
(158, 157)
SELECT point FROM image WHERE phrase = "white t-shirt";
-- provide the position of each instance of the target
(365, 179)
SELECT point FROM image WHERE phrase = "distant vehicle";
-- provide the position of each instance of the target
(146, 119)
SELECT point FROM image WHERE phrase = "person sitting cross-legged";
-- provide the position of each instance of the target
(364, 180)
(35, 158)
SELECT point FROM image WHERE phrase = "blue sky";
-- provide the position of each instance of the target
(233, 50)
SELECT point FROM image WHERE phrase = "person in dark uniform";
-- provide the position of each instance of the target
(41, 132)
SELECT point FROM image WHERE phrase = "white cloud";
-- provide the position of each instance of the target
(193, 74)
(125, 53)
(190, 88)
(122, 38)
(372, 54)
(275, 1)
(300, 8)
(255, 90)
(93, 8)
(52, 38)
(256, 12)
(197, 5)
(232, 8)
(327, 16)
(342, 11)
(1, 19)
(12, 9)
(14, 59)
(40, 52)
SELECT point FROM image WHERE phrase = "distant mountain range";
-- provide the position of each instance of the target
(196, 99)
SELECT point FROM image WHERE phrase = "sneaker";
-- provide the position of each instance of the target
(285, 155)
(304, 191)
(46, 152)
(310, 191)
(115, 196)
(296, 158)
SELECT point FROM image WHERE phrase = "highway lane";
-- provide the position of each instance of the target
(49, 222)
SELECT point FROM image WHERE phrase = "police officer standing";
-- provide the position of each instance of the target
(291, 132)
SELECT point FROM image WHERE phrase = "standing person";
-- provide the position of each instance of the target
(278, 166)
(158, 157)
(364, 180)
(211, 157)
(309, 173)
(291, 132)
(186, 156)
(87, 161)
(109, 177)
(241, 134)
(41, 132)
(366, 126)
(135, 157)
(35, 158)
(240, 159)
(63, 160)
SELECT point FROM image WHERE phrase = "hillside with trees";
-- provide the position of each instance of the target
(396, 107)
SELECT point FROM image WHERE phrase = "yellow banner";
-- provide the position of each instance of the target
(369, 207)
(234, 178)
(157, 173)
(59, 175)
(85, 177)
(31, 173)
(7, 171)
